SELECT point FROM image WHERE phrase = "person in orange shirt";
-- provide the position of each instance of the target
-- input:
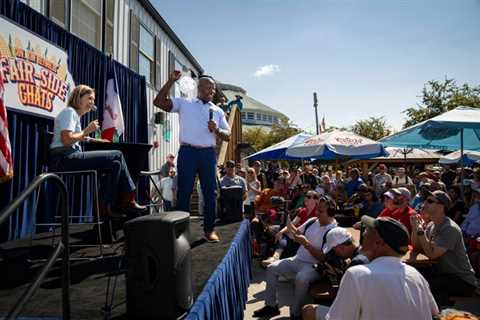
(266, 215)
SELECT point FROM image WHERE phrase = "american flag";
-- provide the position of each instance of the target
(6, 160)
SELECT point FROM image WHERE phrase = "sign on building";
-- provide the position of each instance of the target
(35, 72)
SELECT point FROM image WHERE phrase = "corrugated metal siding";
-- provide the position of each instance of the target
(121, 54)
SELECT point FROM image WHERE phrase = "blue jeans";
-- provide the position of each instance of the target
(204, 162)
(118, 177)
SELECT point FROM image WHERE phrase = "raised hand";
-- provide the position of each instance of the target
(175, 75)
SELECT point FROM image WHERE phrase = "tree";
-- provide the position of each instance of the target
(260, 139)
(372, 128)
(439, 97)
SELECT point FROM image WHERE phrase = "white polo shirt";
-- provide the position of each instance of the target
(386, 288)
(194, 116)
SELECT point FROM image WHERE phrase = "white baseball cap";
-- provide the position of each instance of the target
(335, 237)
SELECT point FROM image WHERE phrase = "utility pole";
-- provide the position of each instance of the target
(315, 105)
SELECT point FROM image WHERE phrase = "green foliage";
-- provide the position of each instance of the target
(260, 139)
(372, 128)
(439, 97)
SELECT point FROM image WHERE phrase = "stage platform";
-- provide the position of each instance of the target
(90, 277)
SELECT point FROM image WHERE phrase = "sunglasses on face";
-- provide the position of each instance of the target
(311, 196)
(431, 201)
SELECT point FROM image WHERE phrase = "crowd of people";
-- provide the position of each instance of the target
(428, 212)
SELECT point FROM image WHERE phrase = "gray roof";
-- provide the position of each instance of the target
(249, 104)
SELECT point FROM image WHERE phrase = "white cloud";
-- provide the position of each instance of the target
(266, 70)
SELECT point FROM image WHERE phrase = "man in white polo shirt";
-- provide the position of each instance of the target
(201, 122)
(386, 288)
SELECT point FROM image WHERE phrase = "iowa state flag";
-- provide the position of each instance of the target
(112, 112)
(6, 160)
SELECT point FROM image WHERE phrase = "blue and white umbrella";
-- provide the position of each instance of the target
(455, 129)
(277, 151)
(337, 144)
(469, 158)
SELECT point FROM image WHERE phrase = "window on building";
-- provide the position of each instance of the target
(259, 116)
(109, 16)
(146, 65)
(58, 10)
(87, 21)
(250, 116)
(269, 118)
(39, 5)
(264, 117)
(275, 119)
(243, 116)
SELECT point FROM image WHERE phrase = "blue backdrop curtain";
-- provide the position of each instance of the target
(87, 66)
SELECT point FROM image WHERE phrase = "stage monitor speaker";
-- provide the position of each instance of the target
(159, 275)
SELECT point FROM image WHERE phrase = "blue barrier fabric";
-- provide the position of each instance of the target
(226, 292)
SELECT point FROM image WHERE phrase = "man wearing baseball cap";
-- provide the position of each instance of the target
(401, 199)
(442, 240)
(381, 179)
(386, 288)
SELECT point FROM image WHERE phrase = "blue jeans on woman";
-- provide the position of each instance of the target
(118, 177)
(192, 160)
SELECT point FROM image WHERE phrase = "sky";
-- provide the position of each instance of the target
(364, 58)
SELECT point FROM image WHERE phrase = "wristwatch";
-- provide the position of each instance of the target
(420, 232)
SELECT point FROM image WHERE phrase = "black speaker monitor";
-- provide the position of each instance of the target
(159, 280)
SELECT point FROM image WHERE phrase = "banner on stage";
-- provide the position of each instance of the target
(35, 72)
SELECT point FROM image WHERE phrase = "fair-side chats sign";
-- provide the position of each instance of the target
(34, 71)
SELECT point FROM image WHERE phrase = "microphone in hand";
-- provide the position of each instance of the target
(210, 119)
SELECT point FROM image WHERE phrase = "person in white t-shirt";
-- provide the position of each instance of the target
(310, 236)
(386, 288)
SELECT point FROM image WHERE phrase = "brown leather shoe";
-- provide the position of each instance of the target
(211, 236)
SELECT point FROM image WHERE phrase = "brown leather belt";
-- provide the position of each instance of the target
(194, 146)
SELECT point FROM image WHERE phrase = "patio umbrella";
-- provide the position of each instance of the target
(469, 157)
(277, 151)
(455, 129)
(337, 144)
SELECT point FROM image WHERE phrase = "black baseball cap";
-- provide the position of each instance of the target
(230, 163)
(393, 232)
(442, 198)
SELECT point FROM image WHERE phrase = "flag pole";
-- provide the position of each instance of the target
(315, 105)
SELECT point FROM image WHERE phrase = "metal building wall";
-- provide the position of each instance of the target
(121, 54)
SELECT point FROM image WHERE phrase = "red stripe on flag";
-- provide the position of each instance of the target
(6, 165)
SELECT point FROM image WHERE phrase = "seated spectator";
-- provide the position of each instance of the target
(403, 211)
(420, 197)
(266, 215)
(310, 236)
(355, 181)
(442, 240)
(285, 240)
(388, 208)
(458, 208)
(230, 179)
(371, 206)
(401, 179)
(381, 179)
(386, 288)
(471, 225)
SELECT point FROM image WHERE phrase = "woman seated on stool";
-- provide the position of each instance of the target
(66, 153)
